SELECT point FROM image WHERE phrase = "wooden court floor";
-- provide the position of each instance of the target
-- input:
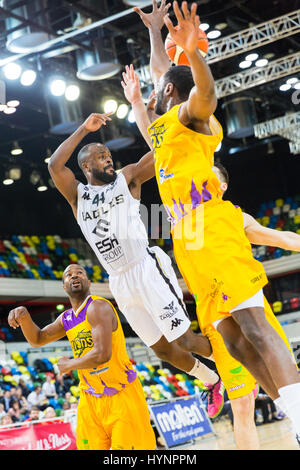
(273, 436)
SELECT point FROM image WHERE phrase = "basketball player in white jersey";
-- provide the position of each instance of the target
(141, 279)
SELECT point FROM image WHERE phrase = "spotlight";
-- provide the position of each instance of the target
(72, 92)
(297, 86)
(292, 80)
(131, 117)
(8, 110)
(261, 62)
(214, 34)
(58, 87)
(245, 64)
(28, 77)
(110, 106)
(7, 181)
(252, 57)
(204, 26)
(13, 103)
(285, 87)
(42, 187)
(16, 150)
(49, 153)
(12, 71)
(122, 111)
(3, 107)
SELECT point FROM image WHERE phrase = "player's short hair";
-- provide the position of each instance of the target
(223, 172)
(85, 152)
(182, 78)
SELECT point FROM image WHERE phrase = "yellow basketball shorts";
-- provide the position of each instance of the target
(118, 422)
(236, 378)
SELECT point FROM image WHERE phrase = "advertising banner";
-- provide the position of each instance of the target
(58, 436)
(180, 421)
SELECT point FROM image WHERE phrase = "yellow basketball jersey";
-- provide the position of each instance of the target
(183, 164)
(108, 378)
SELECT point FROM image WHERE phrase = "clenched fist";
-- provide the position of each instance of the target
(16, 316)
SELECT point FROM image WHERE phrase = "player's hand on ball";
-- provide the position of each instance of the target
(16, 316)
(185, 34)
(131, 85)
(95, 121)
(156, 17)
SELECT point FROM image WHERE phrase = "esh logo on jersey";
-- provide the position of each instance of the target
(169, 311)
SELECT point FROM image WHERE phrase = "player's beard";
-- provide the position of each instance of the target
(103, 176)
(160, 105)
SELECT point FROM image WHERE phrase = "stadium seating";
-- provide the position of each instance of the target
(43, 257)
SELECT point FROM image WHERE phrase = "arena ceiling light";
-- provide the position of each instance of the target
(42, 187)
(122, 111)
(297, 86)
(285, 87)
(58, 87)
(214, 34)
(7, 181)
(292, 80)
(131, 117)
(16, 150)
(204, 26)
(13, 103)
(72, 92)
(252, 57)
(2, 107)
(110, 106)
(49, 153)
(245, 64)
(12, 71)
(261, 62)
(8, 110)
(28, 77)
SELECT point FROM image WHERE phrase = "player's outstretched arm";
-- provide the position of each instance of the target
(154, 21)
(20, 317)
(260, 235)
(132, 92)
(103, 321)
(202, 101)
(62, 176)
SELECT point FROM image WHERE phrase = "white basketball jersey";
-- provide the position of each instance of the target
(109, 218)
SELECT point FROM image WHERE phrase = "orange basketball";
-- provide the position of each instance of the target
(177, 54)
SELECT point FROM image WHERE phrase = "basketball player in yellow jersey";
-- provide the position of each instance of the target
(210, 246)
(112, 411)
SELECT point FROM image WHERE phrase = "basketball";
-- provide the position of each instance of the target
(176, 53)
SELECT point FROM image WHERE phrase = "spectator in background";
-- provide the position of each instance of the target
(15, 412)
(37, 398)
(34, 414)
(60, 386)
(268, 408)
(6, 419)
(25, 389)
(6, 400)
(48, 388)
(21, 400)
(2, 410)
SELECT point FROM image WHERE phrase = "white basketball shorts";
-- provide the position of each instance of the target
(149, 296)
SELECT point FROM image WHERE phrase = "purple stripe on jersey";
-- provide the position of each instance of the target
(195, 196)
(207, 196)
(131, 375)
(69, 319)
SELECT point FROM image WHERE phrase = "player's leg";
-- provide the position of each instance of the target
(244, 427)
(129, 420)
(90, 434)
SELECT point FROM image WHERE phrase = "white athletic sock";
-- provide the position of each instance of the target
(204, 373)
(280, 404)
(290, 395)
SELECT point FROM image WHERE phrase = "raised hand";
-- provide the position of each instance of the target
(156, 17)
(16, 316)
(185, 34)
(131, 85)
(95, 121)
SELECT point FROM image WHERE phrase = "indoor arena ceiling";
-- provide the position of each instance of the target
(120, 38)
